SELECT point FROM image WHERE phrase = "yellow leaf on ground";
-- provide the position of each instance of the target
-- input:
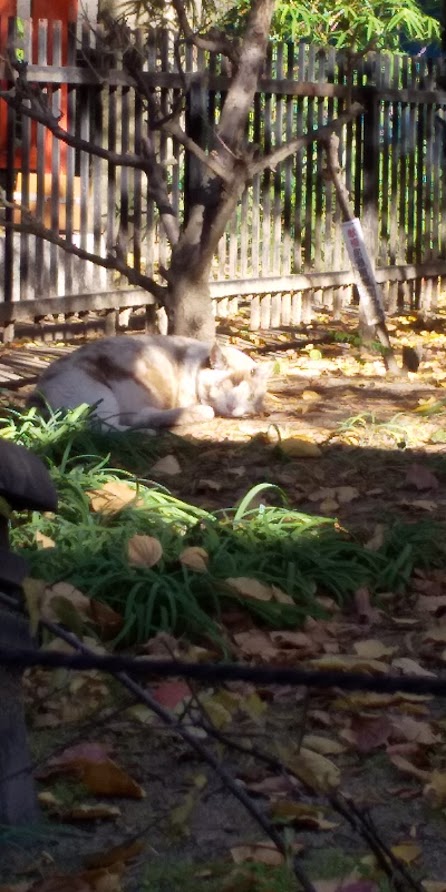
(313, 769)
(113, 497)
(34, 592)
(348, 662)
(310, 396)
(44, 541)
(144, 551)
(298, 447)
(324, 745)
(406, 851)
(373, 649)
(300, 814)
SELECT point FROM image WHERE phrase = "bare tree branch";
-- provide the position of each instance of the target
(171, 126)
(320, 133)
(158, 191)
(214, 42)
(232, 126)
(33, 226)
(44, 116)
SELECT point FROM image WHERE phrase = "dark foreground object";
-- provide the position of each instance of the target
(24, 483)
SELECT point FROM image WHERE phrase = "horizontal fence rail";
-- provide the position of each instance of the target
(283, 250)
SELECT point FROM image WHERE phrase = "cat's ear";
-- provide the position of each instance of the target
(217, 359)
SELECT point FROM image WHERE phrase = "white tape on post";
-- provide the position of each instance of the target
(369, 290)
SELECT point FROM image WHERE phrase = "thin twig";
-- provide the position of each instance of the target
(385, 857)
(33, 226)
(238, 792)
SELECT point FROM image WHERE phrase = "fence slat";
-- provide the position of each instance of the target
(287, 223)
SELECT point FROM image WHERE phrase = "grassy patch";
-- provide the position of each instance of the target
(300, 554)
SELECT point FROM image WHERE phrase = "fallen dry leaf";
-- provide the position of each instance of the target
(435, 635)
(324, 745)
(373, 649)
(117, 855)
(421, 477)
(410, 729)
(423, 504)
(250, 588)
(290, 639)
(435, 789)
(368, 733)
(348, 663)
(44, 541)
(169, 465)
(310, 396)
(313, 769)
(363, 606)
(409, 768)
(91, 813)
(195, 558)
(265, 853)
(298, 447)
(104, 879)
(256, 643)
(171, 693)
(346, 494)
(300, 814)
(406, 851)
(113, 497)
(377, 539)
(92, 765)
(144, 551)
(411, 667)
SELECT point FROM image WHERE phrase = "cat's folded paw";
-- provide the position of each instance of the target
(200, 413)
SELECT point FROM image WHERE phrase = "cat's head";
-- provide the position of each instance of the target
(233, 384)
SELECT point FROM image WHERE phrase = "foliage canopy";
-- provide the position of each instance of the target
(355, 25)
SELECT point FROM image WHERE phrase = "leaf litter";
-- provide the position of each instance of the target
(385, 751)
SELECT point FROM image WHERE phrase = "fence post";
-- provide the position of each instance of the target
(196, 116)
(371, 172)
(370, 189)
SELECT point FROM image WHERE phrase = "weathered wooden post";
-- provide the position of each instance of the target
(24, 484)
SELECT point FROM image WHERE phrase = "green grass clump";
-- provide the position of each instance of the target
(300, 554)
(72, 434)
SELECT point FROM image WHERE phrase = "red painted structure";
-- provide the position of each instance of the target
(64, 11)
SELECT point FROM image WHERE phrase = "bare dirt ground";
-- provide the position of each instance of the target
(340, 439)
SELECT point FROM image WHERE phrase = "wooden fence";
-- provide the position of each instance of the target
(283, 250)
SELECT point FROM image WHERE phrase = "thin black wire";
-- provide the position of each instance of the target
(224, 672)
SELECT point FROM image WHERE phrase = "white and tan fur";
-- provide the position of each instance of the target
(154, 381)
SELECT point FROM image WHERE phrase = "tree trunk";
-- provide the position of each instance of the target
(189, 307)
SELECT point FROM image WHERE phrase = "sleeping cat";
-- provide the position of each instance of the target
(154, 381)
